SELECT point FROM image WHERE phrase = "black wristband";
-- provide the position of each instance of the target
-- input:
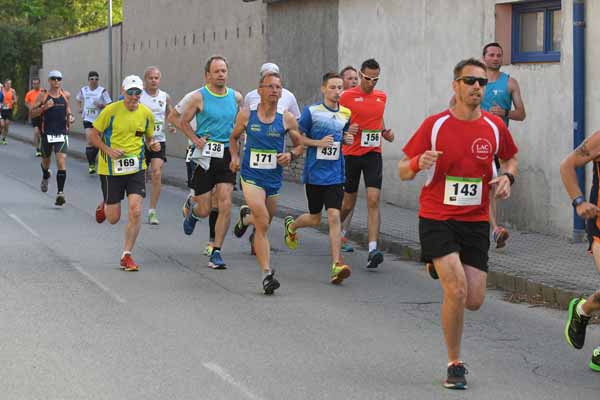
(292, 155)
(578, 200)
(510, 177)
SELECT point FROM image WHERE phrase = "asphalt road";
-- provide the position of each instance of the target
(74, 326)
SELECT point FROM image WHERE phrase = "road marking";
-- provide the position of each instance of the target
(96, 282)
(221, 373)
(24, 225)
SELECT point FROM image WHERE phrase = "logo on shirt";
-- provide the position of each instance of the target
(481, 148)
(255, 128)
(358, 99)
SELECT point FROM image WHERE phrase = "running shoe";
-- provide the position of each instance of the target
(208, 249)
(127, 264)
(91, 169)
(500, 236)
(290, 237)
(100, 214)
(38, 153)
(189, 223)
(270, 284)
(251, 239)
(456, 376)
(44, 184)
(346, 246)
(152, 218)
(375, 258)
(595, 361)
(431, 270)
(216, 261)
(60, 199)
(185, 209)
(576, 325)
(239, 228)
(4, 141)
(339, 272)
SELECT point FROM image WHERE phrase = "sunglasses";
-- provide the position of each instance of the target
(133, 92)
(368, 78)
(54, 78)
(92, 79)
(470, 80)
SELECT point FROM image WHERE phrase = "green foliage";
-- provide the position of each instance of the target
(25, 24)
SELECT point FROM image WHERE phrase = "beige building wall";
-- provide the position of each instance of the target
(75, 56)
(418, 43)
(178, 37)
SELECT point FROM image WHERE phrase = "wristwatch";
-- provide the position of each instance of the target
(510, 177)
(506, 113)
(578, 200)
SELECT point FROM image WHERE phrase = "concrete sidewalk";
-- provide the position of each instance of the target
(543, 267)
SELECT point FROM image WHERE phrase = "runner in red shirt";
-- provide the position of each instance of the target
(457, 148)
(36, 122)
(364, 155)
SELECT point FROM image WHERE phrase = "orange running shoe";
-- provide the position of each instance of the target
(127, 263)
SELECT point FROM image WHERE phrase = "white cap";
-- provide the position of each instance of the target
(133, 81)
(54, 74)
(269, 68)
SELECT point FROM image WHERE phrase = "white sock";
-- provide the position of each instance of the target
(191, 192)
(344, 233)
(151, 210)
(125, 252)
(580, 310)
(372, 246)
(266, 273)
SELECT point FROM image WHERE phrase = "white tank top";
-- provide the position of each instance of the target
(158, 105)
(91, 99)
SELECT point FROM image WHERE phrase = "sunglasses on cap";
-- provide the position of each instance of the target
(133, 92)
(55, 78)
(368, 78)
(470, 80)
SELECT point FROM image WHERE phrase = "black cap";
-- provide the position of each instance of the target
(93, 73)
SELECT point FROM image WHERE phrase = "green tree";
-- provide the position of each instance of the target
(24, 25)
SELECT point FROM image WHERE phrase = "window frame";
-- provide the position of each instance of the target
(548, 55)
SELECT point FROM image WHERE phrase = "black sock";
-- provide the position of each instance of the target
(45, 172)
(61, 177)
(91, 153)
(212, 221)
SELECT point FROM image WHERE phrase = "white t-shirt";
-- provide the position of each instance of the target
(91, 99)
(158, 105)
(287, 102)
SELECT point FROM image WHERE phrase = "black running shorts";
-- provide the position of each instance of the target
(330, 196)
(162, 153)
(115, 187)
(370, 165)
(470, 239)
(48, 148)
(218, 172)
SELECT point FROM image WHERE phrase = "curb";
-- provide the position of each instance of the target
(534, 292)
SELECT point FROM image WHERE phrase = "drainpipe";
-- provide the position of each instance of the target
(579, 100)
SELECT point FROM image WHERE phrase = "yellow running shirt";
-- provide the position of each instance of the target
(124, 130)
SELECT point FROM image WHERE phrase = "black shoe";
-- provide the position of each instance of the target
(595, 361)
(60, 199)
(576, 324)
(239, 229)
(375, 258)
(431, 270)
(270, 284)
(456, 377)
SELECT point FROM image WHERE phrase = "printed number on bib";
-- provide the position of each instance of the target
(463, 191)
(5, 106)
(263, 159)
(55, 138)
(126, 165)
(213, 149)
(91, 112)
(370, 138)
(158, 127)
(329, 153)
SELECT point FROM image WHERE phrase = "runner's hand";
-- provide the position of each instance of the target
(284, 159)
(199, 142)
(348, 138)
(49, 104)
(171, 128)
(326, 141)
(71, 118)
(497, 110)
(587, 210)
(115, 153)
(388, 135)
(234, 164)
(353, 130)
(429, 158)
(503, 189)
(154, 145)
